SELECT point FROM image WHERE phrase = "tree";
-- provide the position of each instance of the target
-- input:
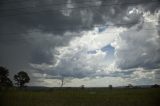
(82, 86)
(4, 80)
(21, 78)
(130, 86)
(62, 81)
(110, 86)
(155, 86)
(7, 82)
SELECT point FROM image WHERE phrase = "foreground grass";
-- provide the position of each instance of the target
(81, 97)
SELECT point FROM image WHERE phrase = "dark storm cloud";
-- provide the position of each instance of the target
(19, 17)
(19, 20)
(41, 56)
(47, 15)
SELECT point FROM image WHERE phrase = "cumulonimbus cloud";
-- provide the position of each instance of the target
(65, 43)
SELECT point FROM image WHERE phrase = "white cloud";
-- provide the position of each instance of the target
(138, 47)
(77, 59)
(98, 82)
(140, 73)
(136, 52)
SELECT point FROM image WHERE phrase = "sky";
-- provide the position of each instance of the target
(85, 42)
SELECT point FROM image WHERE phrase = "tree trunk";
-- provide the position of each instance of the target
(62, 82)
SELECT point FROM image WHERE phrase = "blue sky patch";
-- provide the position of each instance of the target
(109, 49)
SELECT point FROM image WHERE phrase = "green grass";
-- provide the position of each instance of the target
(81, 97)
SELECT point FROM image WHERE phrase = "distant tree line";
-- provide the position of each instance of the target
(21, 78)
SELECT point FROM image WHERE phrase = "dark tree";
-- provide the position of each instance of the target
(3, 72)
(21, 78)
(62, 81)
(82, 86)
(155, 86)
(110, 86)
(4, 80)
(130, 86)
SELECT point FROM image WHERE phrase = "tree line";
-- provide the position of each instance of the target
(21, 78)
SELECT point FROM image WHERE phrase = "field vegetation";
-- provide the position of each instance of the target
(81, 97)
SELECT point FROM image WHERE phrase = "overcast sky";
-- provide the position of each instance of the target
(86, 42)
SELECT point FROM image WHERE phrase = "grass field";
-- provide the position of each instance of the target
(81, 97)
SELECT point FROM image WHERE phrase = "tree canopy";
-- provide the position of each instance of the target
(21, 78)
(4, 80)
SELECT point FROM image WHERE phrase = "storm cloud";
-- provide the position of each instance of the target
(79, 38)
